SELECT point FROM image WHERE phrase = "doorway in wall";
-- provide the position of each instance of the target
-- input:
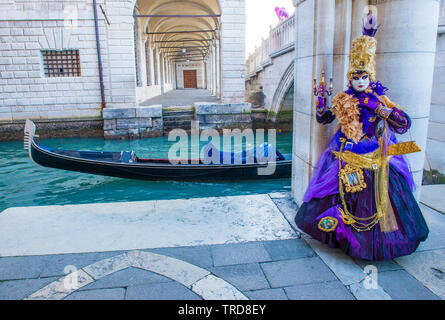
(190, 79)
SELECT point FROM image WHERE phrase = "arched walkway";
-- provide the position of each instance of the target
(182, 40)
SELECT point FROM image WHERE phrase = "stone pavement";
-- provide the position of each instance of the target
(184, 97)
(235, 248)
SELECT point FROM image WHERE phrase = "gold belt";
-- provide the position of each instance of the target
(363, 161)
(377, 162)
(372, 160)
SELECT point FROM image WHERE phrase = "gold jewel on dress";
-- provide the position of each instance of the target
(328, 224)
(353, 179)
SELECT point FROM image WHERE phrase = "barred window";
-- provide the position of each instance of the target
(61, 63)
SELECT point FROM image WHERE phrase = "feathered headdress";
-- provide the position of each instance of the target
(363, 52)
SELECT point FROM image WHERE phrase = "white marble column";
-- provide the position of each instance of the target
(435, 154)
(218, 69)
(233, 57)
(358, 10)
(405, 64)
(314, 43)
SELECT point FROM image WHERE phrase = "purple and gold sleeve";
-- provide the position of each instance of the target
(399, 121)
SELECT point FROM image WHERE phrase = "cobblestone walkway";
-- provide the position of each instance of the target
(283, 268)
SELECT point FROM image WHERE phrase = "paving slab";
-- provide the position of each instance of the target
(436, 224)
(105, 267)
(125, 278)
(400, 285)
(388, 265)
(427, 267)
(267, 294)
(334, 290)
(62, 287)
(287, 206)
(298, 271)
(288, 249)
(20, 289)
(140, 225)
(161, 291)
(182, 98)
(239, 253)
(178, 270)
(214, 288)
(200, 256)
(12, 268)
(280, 195)
(361, 291)
(341, 264)
(347, 271)
(432, 196)
(100, 294)
(244, 276)
(57, 265)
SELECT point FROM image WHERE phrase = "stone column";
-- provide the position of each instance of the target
(215, 68)
(436, 139)
(405, 64)
(342, 44)
(233, 57)
(314, 43)
(121, 53)
(211, 75)
(358, 10)
(218, 69)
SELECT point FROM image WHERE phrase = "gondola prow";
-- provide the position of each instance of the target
(30, 133)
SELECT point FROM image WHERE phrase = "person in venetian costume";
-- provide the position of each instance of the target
(360, 195)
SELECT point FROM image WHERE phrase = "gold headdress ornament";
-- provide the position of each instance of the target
(363, 51)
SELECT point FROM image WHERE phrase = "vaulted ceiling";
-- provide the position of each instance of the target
(174, 25)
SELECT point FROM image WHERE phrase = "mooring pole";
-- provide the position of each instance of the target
(99, 58)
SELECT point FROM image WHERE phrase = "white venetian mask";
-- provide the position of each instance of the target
(360, 82)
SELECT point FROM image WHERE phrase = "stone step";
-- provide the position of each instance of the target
(178, 108)
(178, 118)
(177, 113)
(177, 124)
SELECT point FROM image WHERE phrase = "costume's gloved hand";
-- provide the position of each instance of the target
(369, 104)
(378, 108)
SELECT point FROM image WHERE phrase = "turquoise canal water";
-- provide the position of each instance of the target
(23, 183)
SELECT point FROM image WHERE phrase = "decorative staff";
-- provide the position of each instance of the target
(322, 92)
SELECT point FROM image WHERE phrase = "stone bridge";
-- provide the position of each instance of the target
(270, 70)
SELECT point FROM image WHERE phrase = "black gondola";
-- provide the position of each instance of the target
(126, 164)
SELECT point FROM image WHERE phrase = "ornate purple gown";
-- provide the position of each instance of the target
(323, 198)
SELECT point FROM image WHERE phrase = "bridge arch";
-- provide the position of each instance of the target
(286, 82)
